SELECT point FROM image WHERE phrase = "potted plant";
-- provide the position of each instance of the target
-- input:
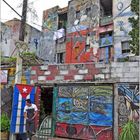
(129, 131)
(4, 126)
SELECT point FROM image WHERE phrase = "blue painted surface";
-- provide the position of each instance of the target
(92, 109)
(106, 41)
(14, 110)
(107, 54)
(130, 94)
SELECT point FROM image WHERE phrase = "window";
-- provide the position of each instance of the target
(60, 58)
(125, 47)
(62, 20)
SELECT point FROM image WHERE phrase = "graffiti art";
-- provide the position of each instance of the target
(85, 112)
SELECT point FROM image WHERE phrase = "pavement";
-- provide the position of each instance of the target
(54, 138)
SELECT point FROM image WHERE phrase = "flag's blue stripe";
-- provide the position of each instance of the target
(21, 128)
(32, 95)
(14, 110)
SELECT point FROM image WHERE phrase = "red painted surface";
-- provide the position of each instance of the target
(83, 132)
(49, 78)
(72, 71)
(88, 77)
(75, 51)
(37, 102)
(106, 28)
(68, 77)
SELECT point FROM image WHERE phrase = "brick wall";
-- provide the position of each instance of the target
(116, 71)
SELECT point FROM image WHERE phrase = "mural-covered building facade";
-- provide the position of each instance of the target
(89, 30)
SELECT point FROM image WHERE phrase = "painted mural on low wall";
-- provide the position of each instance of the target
(85, 112)
(129, 99)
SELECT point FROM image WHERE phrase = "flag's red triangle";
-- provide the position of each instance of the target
(24, 90)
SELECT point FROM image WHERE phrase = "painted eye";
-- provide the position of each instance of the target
(120, 6)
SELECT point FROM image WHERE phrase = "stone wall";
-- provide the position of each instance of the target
(105, 73)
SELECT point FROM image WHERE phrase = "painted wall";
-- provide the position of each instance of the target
(121, 13)
(88, 16)
(11, 34)
(85, 112)
(129, 99)
(50, 19)
(99, 49)
(98, 72)
(7, 89)
(6, 40)
(47, 47)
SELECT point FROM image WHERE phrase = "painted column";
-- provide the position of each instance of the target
(116, 112)
(55, 91)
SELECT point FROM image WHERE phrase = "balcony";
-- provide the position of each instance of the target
(106, 41)
(106, 20)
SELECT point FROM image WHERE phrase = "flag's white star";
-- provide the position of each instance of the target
(24, 89)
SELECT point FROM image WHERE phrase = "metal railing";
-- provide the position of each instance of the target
(45, 129)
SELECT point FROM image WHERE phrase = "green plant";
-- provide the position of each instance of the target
(134, 33)
(4, 123)
(129, 131)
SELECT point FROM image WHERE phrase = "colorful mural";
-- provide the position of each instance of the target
(7, 89)
(85, 112)
(85, 13)
(50, 18)
(129, 99)
(121, 13)
(82, 46)
(86, 46)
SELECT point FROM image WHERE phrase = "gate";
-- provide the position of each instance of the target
(45, 129)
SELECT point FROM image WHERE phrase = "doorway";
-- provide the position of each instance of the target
(46, 102)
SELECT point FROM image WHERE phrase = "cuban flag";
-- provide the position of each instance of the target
(21, 93)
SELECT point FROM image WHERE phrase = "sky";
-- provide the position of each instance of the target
(39, 6)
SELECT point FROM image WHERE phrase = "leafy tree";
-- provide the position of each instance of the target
(134, 33)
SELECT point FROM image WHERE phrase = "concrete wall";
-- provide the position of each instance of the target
(114, 72)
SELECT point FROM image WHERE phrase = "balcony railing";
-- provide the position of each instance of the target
(106, 20)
